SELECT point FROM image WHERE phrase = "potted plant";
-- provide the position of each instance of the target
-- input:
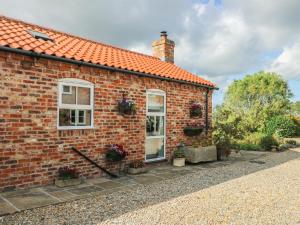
(116, 153)
(67, 177)
(178, 157)
(195, 110)
(137, 167)
(193, 130)
(126, 106)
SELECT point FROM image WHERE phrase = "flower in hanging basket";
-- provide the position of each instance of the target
(193, 130)
(126, 106)
(195, 110)
(116, 153)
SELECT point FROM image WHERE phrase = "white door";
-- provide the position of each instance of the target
(155, 125)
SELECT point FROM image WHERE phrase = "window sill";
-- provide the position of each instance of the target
(76, 128)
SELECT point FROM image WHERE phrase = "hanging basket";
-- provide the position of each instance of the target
(192, 131)
(195, 110)
(126, 107)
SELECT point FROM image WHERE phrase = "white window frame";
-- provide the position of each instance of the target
(76, 83)
(164, 114)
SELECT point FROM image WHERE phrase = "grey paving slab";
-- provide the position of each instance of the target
(30, 199)
(97, 180)
(52, 188)
(147, 179)
(18, 192)
(6, 208)
(84, 190)
(109, 185)
(128, 180)
(63, 195)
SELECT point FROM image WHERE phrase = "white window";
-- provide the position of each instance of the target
(75, 104)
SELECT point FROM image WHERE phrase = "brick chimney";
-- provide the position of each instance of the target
(164, 48)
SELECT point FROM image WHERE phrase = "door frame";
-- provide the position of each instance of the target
(164, 114)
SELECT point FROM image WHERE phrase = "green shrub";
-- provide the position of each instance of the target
(253, 138)
(296, 120)
(291, 142)
(222, 142)
(178, 153)
(267, 142)
(283, 126)
(246, 146)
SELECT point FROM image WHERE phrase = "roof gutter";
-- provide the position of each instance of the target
(78, 62)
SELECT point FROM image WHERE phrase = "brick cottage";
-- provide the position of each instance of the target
(59, 91)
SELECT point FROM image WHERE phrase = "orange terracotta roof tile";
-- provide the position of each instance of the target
(14, 34)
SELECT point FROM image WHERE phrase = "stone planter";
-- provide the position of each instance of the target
(137, 170)
(67, 183)
(179, 162)
(200, 154)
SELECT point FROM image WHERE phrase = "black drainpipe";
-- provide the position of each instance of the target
(206, 111)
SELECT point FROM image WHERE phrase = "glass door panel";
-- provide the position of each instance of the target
(155, 148)
(155, 126)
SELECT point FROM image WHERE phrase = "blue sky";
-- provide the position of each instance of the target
(221, 40)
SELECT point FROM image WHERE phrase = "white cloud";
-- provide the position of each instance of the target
(200, 9)
(287, 63)
(141, 47)
(239, 37)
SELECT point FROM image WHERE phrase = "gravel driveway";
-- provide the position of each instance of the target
(269, 196)
(261, 191)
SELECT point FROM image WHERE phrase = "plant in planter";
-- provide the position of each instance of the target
(137, 167)
(179, 158)
(195, 110)
(67, 177)
(116, 153)
(193, 130)
(126, 107)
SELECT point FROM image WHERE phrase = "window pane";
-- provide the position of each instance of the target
(81, 116)
(67, 89)
(155, 125)
(83, 96)
(65, 117)
(154, 148)
(73, 116)
(155, 103)
(69, 98)
(88, 116)
(84, 118)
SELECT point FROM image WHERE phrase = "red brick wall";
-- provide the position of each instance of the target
(31, 147)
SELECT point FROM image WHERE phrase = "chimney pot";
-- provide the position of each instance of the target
(163, 33)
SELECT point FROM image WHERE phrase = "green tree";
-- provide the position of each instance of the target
(295, 108)
(256, 98)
